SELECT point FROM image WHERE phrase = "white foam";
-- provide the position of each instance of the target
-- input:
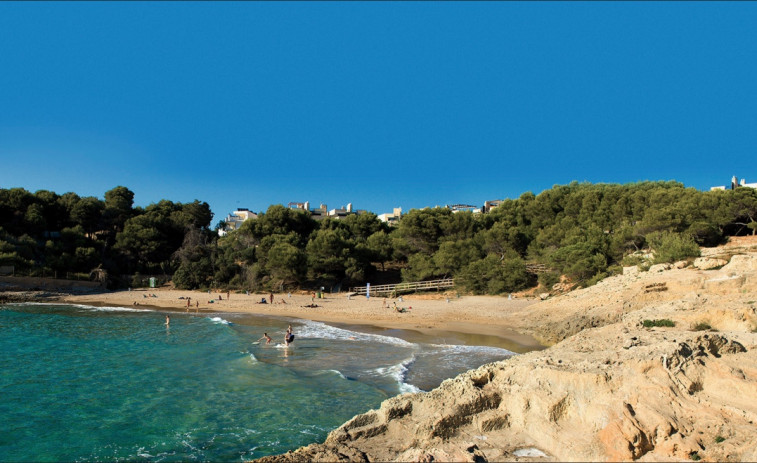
(219, 320)
(313, 329)
(399, 373)
(460, 348)
(88, 307)
(339, 373)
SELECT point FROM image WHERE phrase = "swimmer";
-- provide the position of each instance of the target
(266, 337)
(168, 320)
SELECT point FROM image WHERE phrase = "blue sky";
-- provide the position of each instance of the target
(246, 104)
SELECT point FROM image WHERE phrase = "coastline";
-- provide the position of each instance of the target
(471, 320)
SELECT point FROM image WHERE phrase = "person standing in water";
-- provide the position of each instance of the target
(168, 320)
(289, 337)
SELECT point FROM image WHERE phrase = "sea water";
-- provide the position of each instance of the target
(83, 383)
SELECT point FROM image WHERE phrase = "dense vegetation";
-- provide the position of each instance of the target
(49, 234)
(583, 231)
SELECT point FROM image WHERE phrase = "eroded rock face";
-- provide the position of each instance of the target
(671, 394)
(608, 390)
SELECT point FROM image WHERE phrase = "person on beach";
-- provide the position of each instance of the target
(228, 295)
(266, 337)
(270, 298)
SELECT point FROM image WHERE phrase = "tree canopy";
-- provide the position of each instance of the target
(580, 230)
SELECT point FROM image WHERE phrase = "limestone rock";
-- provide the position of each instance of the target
(708, 263)
(607, 390)
(632, 270)
(659, 268)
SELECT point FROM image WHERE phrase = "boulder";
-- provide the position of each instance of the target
(709, 263)
(659, 268)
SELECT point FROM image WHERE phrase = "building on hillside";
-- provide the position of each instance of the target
(735, 184)
(235, 219)
(323, 211)
(463, 207)
(342, 212)
(489, 205)
(392, 218)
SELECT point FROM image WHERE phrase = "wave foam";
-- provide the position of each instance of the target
(399, 373)
(463, 349)
(219, 320)
(313, 329)
(87, 307)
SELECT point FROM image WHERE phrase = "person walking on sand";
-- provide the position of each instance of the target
(228, 295)
(266, 337)
(270, 298)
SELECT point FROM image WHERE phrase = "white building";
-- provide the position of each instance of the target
(463, 207)
(735, 184)
(391, 218)
(491, 204)
(235, 220)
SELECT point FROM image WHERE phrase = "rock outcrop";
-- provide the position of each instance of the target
(607, 390)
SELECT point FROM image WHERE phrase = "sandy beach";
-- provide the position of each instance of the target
(482, 320)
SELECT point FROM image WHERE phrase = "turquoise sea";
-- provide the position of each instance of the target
(83, 383)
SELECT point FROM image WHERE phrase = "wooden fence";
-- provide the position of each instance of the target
(404, 287)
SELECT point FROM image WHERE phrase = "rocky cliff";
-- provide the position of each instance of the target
(608, 389)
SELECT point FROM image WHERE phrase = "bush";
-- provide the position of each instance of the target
(719, 439)
(596, 279)
(136, 281)
(702, 326)
(671, 247)
(663, 322)
(549, 279)
(492, 276)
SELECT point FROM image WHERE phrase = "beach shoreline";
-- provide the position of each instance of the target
(469, 320)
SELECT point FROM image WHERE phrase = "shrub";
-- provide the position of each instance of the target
(549, 279)
(136, 281)
(671, 247)
(596, 279)
(702, 326)
(663, 322)
(695, 456)
(719, 439)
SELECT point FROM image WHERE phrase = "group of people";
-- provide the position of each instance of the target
(288, 337)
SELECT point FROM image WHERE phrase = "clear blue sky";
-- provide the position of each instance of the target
(247, 104)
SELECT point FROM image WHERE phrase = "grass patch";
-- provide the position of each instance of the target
(750, 302)
(695, 456)
(719, 439)
(663, 322)
(702, 326)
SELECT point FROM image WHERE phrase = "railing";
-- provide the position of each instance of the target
(404, 287)
(536, 268)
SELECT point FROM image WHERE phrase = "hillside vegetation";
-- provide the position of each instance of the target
(583, 231)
